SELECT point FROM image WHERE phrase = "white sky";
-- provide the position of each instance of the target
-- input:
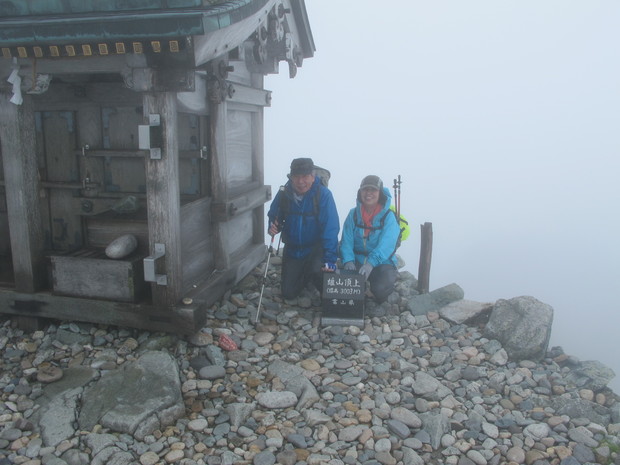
(502, 119)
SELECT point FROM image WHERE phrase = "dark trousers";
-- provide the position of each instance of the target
(381, 280)
(297, 272)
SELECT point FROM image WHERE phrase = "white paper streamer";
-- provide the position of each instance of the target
(16, 80)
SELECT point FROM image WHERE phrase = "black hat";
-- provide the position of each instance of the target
(372, 182)
(302, 166)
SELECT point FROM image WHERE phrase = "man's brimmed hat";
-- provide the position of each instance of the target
(373, 182)
(302, 166)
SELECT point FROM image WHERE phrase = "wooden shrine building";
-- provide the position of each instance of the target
(135, 127)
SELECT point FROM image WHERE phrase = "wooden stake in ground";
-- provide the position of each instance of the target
(426, 252)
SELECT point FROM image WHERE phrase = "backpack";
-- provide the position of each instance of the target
(324, 175)
(404, 226)
(402, 222)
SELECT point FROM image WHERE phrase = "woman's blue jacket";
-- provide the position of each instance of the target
(379, 247)
(307, 223)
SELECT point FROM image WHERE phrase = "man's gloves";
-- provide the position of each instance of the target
(366, 269)
(274, 228)
(349, 266)
(329, 267)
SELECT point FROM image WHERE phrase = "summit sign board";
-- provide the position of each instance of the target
(343, 298)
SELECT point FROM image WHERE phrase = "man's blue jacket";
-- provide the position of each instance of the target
(311, 221)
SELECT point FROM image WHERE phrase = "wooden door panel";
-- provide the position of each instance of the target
(61, 168)
(120, 132)
(239, 149)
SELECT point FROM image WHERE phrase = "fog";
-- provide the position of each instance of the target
(502, 120)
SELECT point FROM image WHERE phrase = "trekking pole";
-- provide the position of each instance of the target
(397, 184)
(260, 299)
(278, 249)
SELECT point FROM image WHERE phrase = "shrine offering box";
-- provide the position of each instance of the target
(89, 273)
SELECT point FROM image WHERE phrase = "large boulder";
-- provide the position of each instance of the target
(522, 325)
(590, 374)
(56, 412)
(136, 399)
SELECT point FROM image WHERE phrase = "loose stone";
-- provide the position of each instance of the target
(402, 388)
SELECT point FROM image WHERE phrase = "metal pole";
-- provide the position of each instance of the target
(397, 184)
(260, 299)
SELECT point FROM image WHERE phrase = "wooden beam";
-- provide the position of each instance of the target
(17, 145)
(183, 319)
(242, 262)
(250, 95)
(163, 198)
(112, 64)
(224, 211)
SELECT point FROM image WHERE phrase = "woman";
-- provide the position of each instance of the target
(369, 238)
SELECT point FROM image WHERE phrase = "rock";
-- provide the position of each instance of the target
(49, 374)
(212, 372)
(199, 424)
(424, 303)
(149, 458)
(405, 388)
(411, 457)
(145, 393)
(583, 454)
(522, 325)
(406, 416)
(294, 381)
(466, 312)
(590, 374)
(579, 408)
(264, 458)
(277, 399)
(315, 417)
(515, 454)
(399, 428)
(350, 433)
(435, 425)
(429, 387)
(287, 457)
(537, 431)
(121, 247)
(57, 419)
(239, 412)
(582, 435)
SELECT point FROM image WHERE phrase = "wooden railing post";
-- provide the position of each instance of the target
(426, 252)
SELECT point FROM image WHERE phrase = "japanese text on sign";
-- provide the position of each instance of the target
(342, 286)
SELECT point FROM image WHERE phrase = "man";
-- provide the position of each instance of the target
(305, 213)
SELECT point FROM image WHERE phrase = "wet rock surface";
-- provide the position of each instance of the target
(422, 381)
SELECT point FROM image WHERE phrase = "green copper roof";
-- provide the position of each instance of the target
(55, 7)
(39, 22)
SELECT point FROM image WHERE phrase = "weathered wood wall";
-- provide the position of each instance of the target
(203, 199)
(17, 144)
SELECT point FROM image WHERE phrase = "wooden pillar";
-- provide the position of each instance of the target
(218, 110)
(258, 170)
(17, 143)
(163, 198)
(426, 252)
